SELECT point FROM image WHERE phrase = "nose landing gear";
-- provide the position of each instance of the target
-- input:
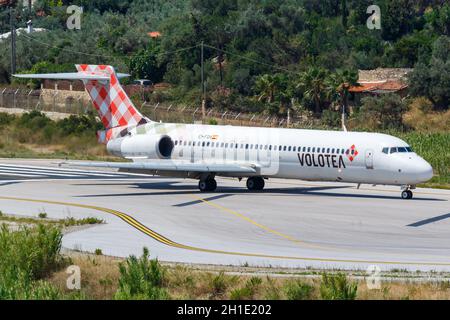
(406, 192)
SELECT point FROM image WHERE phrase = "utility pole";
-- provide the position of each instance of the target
(203, 84)
(13, 40)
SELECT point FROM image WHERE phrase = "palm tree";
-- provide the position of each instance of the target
(312, 83)
(274, 88)
(338, 85)
(266, 86)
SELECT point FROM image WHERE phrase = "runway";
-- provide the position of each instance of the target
(292, 223)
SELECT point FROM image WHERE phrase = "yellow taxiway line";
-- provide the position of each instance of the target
(160, 238)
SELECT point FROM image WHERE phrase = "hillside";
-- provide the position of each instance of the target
(260, 56)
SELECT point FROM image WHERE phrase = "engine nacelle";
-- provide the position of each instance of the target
(142, 145)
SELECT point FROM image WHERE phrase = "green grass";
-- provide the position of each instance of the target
(42, 219)
(435, 148)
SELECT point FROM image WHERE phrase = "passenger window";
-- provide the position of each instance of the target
(304, 149)
(314, 149)
(284, 148)
(270, 147)
(328, 150)
(289, 148)
(176, 142)
(385, 150)
(293, 148)
(309, 149)
(279, 148)
(246, 146)
(332, 150)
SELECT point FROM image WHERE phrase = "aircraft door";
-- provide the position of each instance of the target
(369, 159)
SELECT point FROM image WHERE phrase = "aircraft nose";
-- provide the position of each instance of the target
(424, 171)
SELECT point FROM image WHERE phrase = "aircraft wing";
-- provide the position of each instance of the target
(170, 165)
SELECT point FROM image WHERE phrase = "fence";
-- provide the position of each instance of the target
(76, 102)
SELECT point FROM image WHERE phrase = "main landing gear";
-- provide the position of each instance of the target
(255, 183)
(407, 193)
(208, 184)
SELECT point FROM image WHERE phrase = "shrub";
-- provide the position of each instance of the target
(141, 278)
(98, 252)
(337, 287)
(298, 290)
(27, 256)
(248, 291)
(42, 215)
(218, 284)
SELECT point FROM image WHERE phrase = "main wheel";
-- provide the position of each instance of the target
(255, 183)
(207, 185)
(407, 194)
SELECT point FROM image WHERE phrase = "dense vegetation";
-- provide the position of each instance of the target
(33, 267)
(261, 55)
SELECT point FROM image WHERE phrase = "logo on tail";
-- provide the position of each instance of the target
(112, 103)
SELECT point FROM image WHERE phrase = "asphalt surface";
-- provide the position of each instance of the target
(292, 223)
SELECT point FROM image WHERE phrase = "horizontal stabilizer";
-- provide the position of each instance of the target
(71, 76)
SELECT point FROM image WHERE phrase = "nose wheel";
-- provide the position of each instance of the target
(407, 194)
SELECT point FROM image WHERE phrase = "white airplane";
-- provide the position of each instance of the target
(205, 151)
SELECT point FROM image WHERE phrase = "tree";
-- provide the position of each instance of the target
(432, 78)
(338, 85)
(145, 65)
(397, 19)
(386, 111)
(275, 89)
(312, 85)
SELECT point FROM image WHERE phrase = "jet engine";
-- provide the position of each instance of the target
(142, 146)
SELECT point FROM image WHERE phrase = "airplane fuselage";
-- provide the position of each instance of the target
(318, 155)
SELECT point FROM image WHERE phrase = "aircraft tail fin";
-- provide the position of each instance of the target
(113, 105)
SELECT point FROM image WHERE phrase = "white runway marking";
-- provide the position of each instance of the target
(42, 172)
(19, 174)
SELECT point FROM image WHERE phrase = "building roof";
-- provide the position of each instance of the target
(19, 31)
(381, 80)
(379, 87)
(383, 74)
(154, 34)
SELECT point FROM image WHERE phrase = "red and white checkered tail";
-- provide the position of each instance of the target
(112, 103)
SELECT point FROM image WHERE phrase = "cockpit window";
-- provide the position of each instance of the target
(391, 150)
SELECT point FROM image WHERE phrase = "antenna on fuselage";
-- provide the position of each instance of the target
(344, 128)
